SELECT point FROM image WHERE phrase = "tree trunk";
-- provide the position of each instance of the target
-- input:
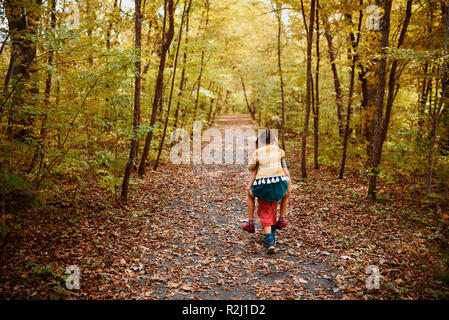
(316, 104)
(183, 80)
(438, 109)
(39, 152)
(161, 145)
(211, 106)
(12, 62)
(211, 102)
(166, 41)
(220, 106)
(337, 84)
(91, 17)
(309, 91)
(246, 99)
(422, 102)
(354, 45)
(393, 78)
(109, 29)
(377, 138)
(381, 131)
(201, 67)
(279, 21)
(136, 114)
(23, 21)
(214, 112)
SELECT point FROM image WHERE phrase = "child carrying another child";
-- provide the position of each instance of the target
(269, 183)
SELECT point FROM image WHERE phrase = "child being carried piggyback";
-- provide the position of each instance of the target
(269, 184)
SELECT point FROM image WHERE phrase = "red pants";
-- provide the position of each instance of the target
(267, 212)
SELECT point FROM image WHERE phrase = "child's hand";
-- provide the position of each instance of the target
(250, 193)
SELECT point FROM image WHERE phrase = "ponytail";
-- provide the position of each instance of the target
(266, 137)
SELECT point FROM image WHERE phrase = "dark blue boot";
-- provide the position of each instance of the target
(269, 237)
(273, 231)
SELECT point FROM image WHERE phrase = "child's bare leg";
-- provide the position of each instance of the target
(251, 205)
(249, 226)
(251, 197)
(284, 203)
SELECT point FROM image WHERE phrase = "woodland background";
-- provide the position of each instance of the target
(92, 90)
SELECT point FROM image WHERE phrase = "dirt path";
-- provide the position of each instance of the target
(206, 254)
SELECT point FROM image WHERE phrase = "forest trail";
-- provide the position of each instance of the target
(181, 237)
(106, 82)
(205, 254)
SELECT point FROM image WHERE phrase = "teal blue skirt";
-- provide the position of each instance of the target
(270, 192)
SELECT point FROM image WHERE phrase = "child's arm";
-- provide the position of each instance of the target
(286, 172)
(253, 165)
(252, 177)
(284, 167)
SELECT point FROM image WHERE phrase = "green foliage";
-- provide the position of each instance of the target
(80, 133)
(10, 183)
(46, 273)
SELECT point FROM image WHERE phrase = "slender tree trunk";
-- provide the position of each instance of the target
(168, 6)
(201, 67)
(316, 108)
(152, 20)
(246, 99)
(377, 139)
(137, 88)
(253, 103)
(91, 17)
(337, 84)
(197, 98)
(211, 103)
(220, 106)
(39, 152)
(214, 109)
(438, 109)
(175, 65)
(111, 20)
(183, 80)
(354, 45)
(422, 102)
(393, 77)
(186, 108)
(211, 106)
(217, 102)
(279, 20)
(427, 83)
(309, 91)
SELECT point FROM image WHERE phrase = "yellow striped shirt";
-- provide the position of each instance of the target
(268, 158)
